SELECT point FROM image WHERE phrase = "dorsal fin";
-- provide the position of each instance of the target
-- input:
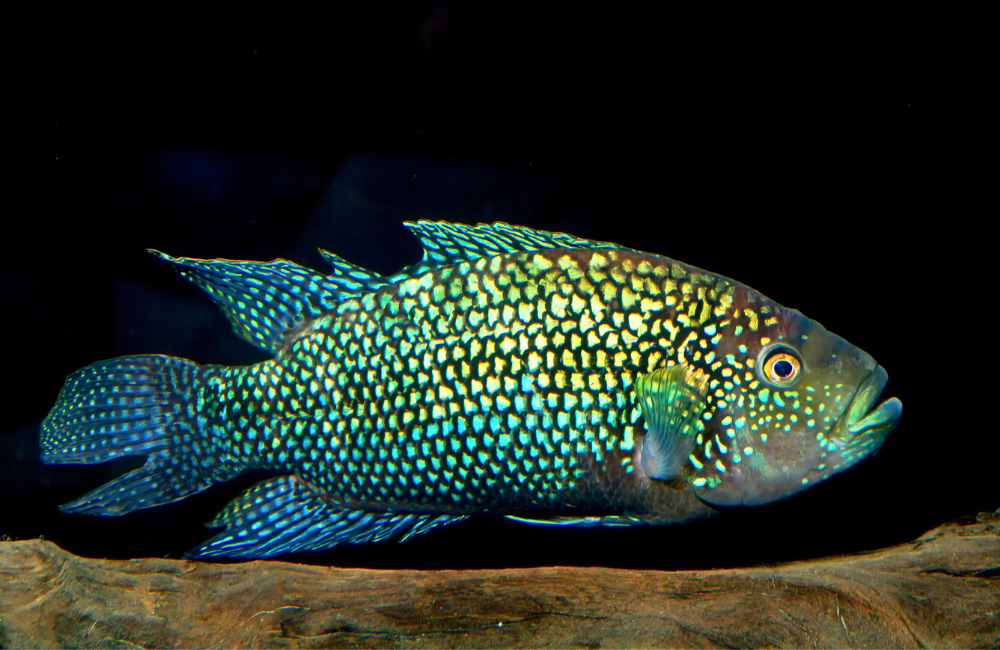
(351, 277)
(449, 243)
(264, 301)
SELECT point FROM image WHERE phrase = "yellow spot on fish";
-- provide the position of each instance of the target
(648, 305)
(628, 298)
(559, 306)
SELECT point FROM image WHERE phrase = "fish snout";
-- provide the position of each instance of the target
(861, 419)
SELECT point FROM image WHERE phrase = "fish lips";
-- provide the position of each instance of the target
(861, 420)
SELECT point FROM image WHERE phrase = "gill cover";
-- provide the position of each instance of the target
(809, 415)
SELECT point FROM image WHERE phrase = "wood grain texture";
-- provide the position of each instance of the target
(943, 590)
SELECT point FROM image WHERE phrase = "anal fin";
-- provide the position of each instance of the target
(288, 514)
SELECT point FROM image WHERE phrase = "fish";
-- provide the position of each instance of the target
(514, 372)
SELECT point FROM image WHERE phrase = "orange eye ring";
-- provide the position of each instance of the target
(781, 367)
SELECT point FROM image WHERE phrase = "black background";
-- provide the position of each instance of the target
(829, 161)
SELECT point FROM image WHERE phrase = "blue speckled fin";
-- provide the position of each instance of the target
(671, 400)
(582, 522)
(449, 243)
(351, 277)
(133, 406)
(264, 301)
(288, 515)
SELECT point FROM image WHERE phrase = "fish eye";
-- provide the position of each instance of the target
(780, 365)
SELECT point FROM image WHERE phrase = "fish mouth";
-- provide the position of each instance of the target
(861, 420)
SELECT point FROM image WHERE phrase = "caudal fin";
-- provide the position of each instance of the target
(133, 406)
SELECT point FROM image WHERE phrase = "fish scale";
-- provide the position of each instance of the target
(535, 375)
(502, 398)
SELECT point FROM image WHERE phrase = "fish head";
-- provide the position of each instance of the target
(805, 410)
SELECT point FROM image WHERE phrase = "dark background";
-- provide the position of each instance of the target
(829, 161)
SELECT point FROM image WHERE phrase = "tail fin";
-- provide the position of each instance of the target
(132, 406)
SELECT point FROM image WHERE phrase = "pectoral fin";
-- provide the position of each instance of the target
(671, 400)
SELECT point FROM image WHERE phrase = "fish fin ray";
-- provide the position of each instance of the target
(264, 301)
(351, 278)
(153, 484)
(287, 514)
(582, 522)
(670, 400)
(450, 243)
(130, 406)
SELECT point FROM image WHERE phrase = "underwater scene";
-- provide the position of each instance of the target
(712, 332)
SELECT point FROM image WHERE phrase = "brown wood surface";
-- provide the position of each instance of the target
(942, 590)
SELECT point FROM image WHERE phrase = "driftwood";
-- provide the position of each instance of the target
(942, 590)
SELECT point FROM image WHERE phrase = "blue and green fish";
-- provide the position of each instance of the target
(515, 372)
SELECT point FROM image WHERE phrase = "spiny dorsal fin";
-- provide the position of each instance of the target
(264, 301)
(671, 401)
(449, 243)
(351, 277)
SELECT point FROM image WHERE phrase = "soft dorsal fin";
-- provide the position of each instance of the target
(449, 243)
(671, 400)
(264, 301)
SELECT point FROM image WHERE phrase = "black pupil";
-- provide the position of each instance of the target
(783, 368)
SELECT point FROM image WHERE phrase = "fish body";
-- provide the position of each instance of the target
(514, 372)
